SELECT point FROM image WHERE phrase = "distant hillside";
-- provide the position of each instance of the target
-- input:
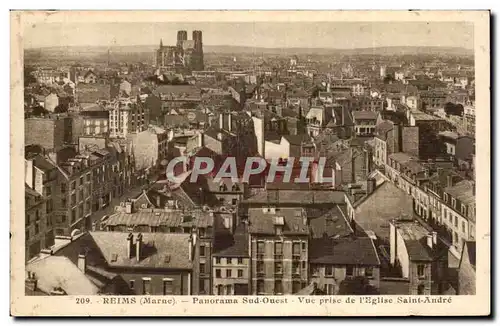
(228, 49)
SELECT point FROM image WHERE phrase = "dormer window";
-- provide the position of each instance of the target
(235, 187)
(222, 187)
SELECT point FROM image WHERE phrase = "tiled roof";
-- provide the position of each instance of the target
(232, 245)
(160, 250)
(462, 191)
(346, 251)
(298, 197)
(328, 222)
(43, 164)
(164, 218)
(60, 272)
(261, 222)
(364, 115)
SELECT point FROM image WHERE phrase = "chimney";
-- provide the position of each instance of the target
(474, 189)
(130, 245)
(158, 201)
(221, 121)
(430, 240)
(229, 121)
(371, 183)
(31, 281)
(82, 262)
(449, 180)
(434, 237)
(138, 246)
(200, 139)
(128, 207)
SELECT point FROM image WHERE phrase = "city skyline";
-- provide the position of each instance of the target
(334, 35)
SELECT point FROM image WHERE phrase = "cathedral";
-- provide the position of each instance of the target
(186, 55)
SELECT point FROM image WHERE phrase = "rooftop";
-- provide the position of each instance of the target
(160, 250)
(263, 221)
(345, 251)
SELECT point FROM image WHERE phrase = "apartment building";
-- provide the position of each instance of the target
(279, 250)
(231, 263)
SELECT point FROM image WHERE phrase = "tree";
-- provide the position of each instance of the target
(39, 111)
(453, 109)
(357, 286)
(388, 79)
(28, 76)
(61, 108)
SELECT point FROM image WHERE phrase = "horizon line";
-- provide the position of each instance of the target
(258, 47)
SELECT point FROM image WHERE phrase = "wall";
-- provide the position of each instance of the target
(410, 143)
(180, 286)
(372, 216)
(268, 259)
(277, 151)
(234, 267)
(146, 149)
(466, 279)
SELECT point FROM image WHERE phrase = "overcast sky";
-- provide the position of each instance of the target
(341, 35)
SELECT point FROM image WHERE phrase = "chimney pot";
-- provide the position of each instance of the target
(130, 244)
(434, 237)
(82, 262)
(430, 240)
(138, 246)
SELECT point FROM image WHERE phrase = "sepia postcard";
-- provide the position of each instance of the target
(250, 163)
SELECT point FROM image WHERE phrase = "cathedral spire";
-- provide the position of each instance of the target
(161, 43)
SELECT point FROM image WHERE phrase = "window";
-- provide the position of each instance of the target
(73, 200)
(329, 270)
(240, 261)
(217, 260)
(229, 261)
(456, 221)
(220, 290)
(278, 248)
(455, 239)
(303, 246)
(260, 286)
(63, 188)
(48, 191)
(314, 270)
(421, 271)
(229, 289)
(146, 286)
(240, 273)
(73, 215)
(330, 289)
(453, 203)
(260, 267)
(463, 210)
(296, 249)
(63, 203)
(217, 273)
(420, 289)
(295, 268)
(131, 284)
(463, 227)
(81, 180)
(202, 286)
(202, 232)
(88, 177)
(234, 201)
(349, 271)
(446, 198)
(260, 247)
(369, 272)
(228, 273)
(278, 268)
(202, 268)
(296, 286)
(202, 251)
(167, 286)
(278, 287)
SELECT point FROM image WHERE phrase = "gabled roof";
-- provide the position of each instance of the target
(345, 251)
(232, 245)
(160, 250)
(60, 272)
